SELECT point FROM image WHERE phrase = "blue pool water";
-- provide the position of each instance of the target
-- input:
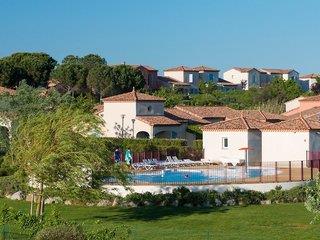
(198, 175)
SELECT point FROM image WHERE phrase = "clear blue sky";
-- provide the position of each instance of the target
(217, 33)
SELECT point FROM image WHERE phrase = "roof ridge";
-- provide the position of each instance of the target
(245, 122)
(262, 114)
(188, 112)
(305, 122)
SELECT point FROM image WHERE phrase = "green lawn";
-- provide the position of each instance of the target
(282, 221)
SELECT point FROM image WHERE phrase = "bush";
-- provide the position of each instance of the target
(109, 233)
(61, 232)
(296, 194)
(9, 185)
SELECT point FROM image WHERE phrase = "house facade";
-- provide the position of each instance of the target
(233, 141)
(138, 115)
(309, 80)
(286, 74)
(290, 140)
(192, 76)
(244, 77)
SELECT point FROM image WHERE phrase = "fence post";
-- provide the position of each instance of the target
(276, 171)
(302, 177)
(311, 175)
(260, 165)
(289, 171)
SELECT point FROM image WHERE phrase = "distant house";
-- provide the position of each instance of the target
(192, 76)
(150, 76)
(138, 115)
(281, 73)
(244, 77)
(309, 80)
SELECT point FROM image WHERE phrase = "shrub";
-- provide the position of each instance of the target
(312, 203)
(296, 194)
(109, 233)
(9, 185)
(61, 232)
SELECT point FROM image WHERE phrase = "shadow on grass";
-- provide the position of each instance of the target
(154, 213)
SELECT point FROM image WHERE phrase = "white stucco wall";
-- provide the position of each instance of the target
(177, 75)
(292, 104)
(252, 78)
(284, 146)
(212, 144)
(112, 116)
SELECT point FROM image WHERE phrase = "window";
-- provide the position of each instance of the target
(225, 143)
(149, 108)
(211, 76)
(190, 78)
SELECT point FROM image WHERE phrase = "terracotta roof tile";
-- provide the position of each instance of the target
(209, 112)
(181, 116)
(244, 69)
(306, 113)
(311, 99)
(133, 96)
(205, 68)
(262, 115)
(181, 68)
(240, 123)
(312, 75)
(172, 81)
(277, 71)
(157, 120)
(296, 124)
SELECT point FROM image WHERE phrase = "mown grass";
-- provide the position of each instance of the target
(281, 221)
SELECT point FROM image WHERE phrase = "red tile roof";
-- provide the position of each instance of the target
(311, 99)
(181, 68)
(312, 75)
(306, 113)
(245, 69)
(209, 112)
(157, 120)
(262, 115)
(236, 124)
(181, 116)
(133, 96)
(296, 124)
(206, 69)
(277, 71)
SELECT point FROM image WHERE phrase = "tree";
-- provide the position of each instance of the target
(29, 101)
(35, 68)
(125, 77)
(60, 153)
(207, 87)
(99, 80)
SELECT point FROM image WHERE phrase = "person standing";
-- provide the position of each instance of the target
(128, 156)
(117, 156)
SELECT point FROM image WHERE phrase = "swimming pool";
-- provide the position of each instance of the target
(205, 175)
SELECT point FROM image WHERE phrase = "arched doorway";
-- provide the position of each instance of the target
(142, 134)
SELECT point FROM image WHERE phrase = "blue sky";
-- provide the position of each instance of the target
(166, 33)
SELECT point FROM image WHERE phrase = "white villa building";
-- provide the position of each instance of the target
(247, 77)
(309, 80)
(244, 77)
(290, 140)
(233, 141)
(192, 76)
(138, 115)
